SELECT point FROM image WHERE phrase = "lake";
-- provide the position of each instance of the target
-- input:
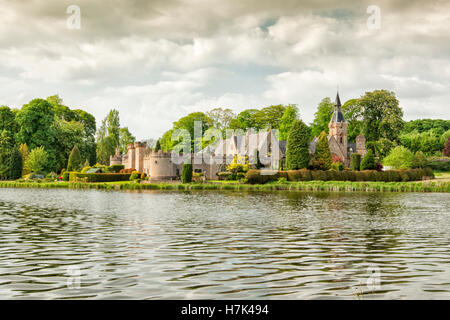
(89, 244)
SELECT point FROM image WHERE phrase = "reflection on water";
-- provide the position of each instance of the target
(175, 245)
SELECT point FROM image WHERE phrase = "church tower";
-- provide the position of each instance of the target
(338, 127)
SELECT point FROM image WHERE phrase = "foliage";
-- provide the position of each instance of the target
(99, 177)
(37, 160)
(7, 120)
(352, 110)
(23, 149)
(368, 162)
(75, 162)
(399, 158)
(116, 168)
(322, 117)
(108, 137)
(186, 174)
(382, 115)
(322, 153)
(446, 151)
(286, 121)
(337, 166)
(355, 161)
(419, 160)
(297, 153)
(239, 164)
(423, 125)
(10, 158)
(158, 145)
(221, 118)
(134, 176)
(85, 169)
(36, 129)
(429, 142)
(125, 138)
(439, 164)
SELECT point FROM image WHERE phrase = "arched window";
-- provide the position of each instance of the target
(341, 139)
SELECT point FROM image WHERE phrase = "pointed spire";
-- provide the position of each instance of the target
(337, 102)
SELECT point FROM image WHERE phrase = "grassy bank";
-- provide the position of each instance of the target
(348, 186)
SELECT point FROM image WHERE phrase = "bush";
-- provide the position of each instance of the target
(399, 158)
(186, 173)
(130, 170)
(338, 166)
(379, 167)
(439, 164)
(322, 153)
(255, 177)
(419, 160)
(98, 177)
(75, 161)
(37, 159)
(85, 169)
(115, 168)
(226, 175)
(134, 176)
(66, 175)
(355, 161)
(368, 162)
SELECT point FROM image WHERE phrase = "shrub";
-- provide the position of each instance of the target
(130, 170)
(399, 158)
(297, 148)
(37, 159)
(186, 173)
(338, 166)
(322, 153)
(379, 166)
(134, 176)
(66, 175)
(368, 162)
(419, 160)
(226, 175)
(75, 161)
(439, 164)
(115, 168)
(98, 177)
(85, 169)
(355, 161)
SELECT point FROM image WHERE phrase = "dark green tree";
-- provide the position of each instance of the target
(75, 160)
(297, 153)
(158, 145)
(355, 161)
(286, 121)
(382, 115)
(322, 153)
(186, 174)
(419, 160)
(368, 162)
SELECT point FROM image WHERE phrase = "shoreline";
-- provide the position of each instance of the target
(330, 186)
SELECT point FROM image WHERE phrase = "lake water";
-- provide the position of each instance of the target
(197, 245)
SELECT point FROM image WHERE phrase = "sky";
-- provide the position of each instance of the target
(156, 61)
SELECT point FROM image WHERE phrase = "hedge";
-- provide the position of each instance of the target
(99, 177)
(255, 176)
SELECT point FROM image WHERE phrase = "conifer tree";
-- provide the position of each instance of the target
(297, 149)
(368, 162)
(75, 160)
(323, 153)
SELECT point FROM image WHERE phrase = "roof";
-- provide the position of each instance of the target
(337, 116)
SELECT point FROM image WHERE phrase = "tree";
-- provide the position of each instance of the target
(23, 149)
(323, 153)
(186, 174)
(35, 121)
(37, 160)
(221, 118)
(86, 163)
(382, 115)
(125, 139)
(247, 119)
(446, 151)
(297, 153)
(368, 162)
(68, 134)
(6, 147)
(352, 110)
(188, 123)
(75, 160)
(419, 160)
(270, 117)
(108, 137)
(322, 117)
(158, 145)
(15, 164)
(399, 158)
(286, 121)
(355, 161)
(7, 120)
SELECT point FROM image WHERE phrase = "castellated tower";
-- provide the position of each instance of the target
(131, 156)
(338, 127)
(139, 148)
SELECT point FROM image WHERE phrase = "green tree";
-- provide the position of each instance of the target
(368, 162)
(352, 110)
(270, 117)
(108, 137)
(7, 120)
(323, 154)
(186, 173)
(419, 160)
(399, 158)
(68, 134)
(125, 139)
(446, 151)
(37, 160)
(16, 164)
(158, 145)
(355, 161)
(35, 121)
(188, 123)
(6, 146)
(297, 153)
(24, 153)
(247, 119)
(382, 115)
(286, 121)
(221, 118)
(75, 160)
(322, 117)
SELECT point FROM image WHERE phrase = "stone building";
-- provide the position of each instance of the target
(340, 148)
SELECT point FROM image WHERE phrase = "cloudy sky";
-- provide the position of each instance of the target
(159, 60)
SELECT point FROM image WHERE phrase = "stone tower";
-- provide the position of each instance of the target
(338, 127)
